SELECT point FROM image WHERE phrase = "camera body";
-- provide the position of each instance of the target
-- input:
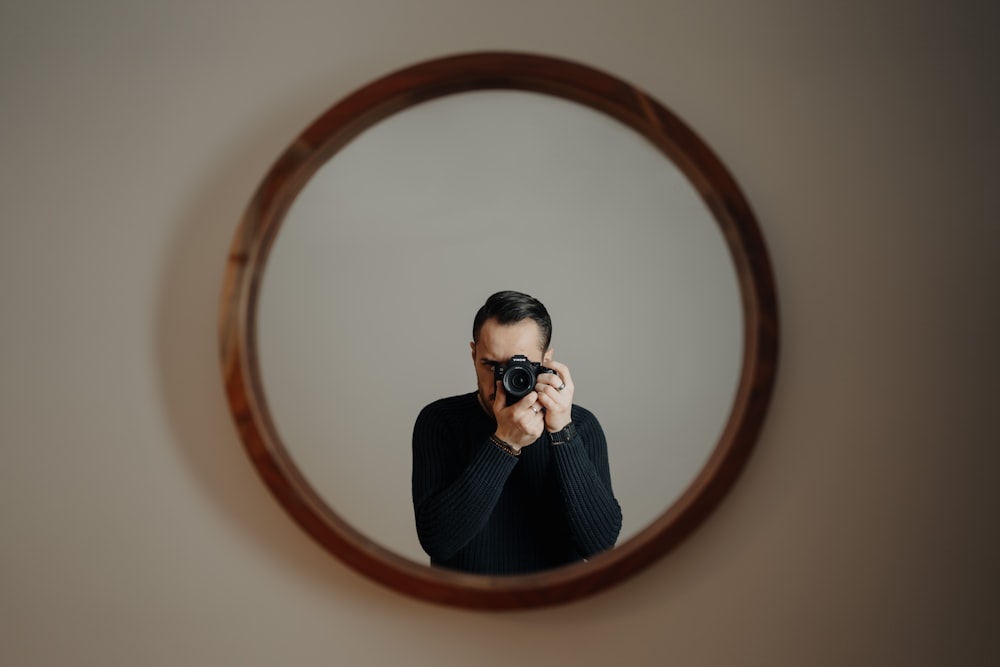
(519, 377)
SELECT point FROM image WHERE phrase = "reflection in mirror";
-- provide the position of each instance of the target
(494, 171)
(366, 305)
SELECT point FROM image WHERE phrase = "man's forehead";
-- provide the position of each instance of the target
(499, 341)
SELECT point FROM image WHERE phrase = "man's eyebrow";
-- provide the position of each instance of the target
(488, 362)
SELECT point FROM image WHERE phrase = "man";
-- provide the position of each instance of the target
(512, 489)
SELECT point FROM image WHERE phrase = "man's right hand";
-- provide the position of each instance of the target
(521, 424)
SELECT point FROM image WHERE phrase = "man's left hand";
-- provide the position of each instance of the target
(555, 394)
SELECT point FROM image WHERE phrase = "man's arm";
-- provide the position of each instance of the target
(452, 501)
(594, 515)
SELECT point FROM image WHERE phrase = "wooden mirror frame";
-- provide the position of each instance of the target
(400, 90)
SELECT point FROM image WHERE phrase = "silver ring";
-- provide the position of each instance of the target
(561, 387)
(534, 409)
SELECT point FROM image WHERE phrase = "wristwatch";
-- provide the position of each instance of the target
(563, 436)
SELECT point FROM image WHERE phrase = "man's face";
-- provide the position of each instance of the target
(497, 344)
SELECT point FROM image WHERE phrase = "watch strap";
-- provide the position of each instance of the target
(563, 436)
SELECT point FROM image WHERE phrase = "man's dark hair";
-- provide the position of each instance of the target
(510, 307)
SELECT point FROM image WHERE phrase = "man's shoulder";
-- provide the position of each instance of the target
(582, 415)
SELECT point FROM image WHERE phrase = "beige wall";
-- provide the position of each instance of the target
(135, 532)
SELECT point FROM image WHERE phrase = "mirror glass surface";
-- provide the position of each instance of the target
(366, 302)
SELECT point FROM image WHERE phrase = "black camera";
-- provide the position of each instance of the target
(519, 377)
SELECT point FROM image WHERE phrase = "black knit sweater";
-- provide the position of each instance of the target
(481, 510)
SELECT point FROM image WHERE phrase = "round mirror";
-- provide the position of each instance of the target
(391, 219)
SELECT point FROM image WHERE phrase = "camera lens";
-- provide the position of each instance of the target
(518, 381)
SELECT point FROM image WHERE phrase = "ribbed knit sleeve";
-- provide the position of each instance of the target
(456, 483)
(595, 517)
